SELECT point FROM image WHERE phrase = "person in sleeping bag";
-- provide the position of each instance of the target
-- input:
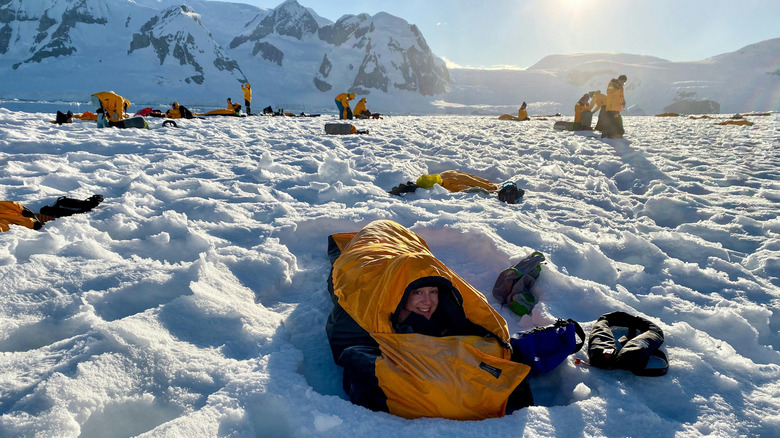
(414, 339)
(424, 310)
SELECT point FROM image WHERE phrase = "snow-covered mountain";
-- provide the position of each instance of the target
(159, 51)
(742, 81)
(200, 52)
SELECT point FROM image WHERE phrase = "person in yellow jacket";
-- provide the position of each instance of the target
(247, 98)
(361, 112)
(360, 108)
(14, 213)
(113, 105)
(174, 112)
(598, 101)
(613, 126)
(179, 112)
(522, 114)
(414, 338)
(582, 106)
(342, 103)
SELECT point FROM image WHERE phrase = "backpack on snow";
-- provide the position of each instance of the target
(510, 193)
(637, 351)
(544, 348)
(64, 117)
(513, 285)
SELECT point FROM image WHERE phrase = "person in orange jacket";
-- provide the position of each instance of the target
(247, 98)
(598, 101)
(179, 112)
(113, 105)
(174, 112)
(522, 114)
(616, 100)
(342, 103)
(580, 107)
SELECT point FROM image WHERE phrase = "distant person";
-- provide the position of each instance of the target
(342, 103)
(178, 112)
(522, 114)
(235, 107)
(613, 127)
(110, 107)
(361, 112)
(598, 101)
(247, 98)
(582, 111)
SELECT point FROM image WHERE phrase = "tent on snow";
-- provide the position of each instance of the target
(463, 377)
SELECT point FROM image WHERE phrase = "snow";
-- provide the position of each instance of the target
(193, 300)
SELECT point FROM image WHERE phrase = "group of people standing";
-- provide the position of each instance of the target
(609, 106)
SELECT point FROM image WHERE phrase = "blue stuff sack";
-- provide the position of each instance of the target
(544, 348)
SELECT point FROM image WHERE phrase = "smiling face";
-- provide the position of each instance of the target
(422, 301)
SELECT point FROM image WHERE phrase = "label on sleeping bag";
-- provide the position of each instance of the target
(495, 372)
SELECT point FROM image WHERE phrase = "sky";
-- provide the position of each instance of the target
(519, 33)
(192, 302)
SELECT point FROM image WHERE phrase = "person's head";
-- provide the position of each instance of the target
(175, 105)
(422, 301)
(585, 97)
(523, 105)
(622, 78)
(351, 96)
(363, 100)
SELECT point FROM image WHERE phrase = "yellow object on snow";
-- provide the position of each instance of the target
(460, 377)
(428, 181)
